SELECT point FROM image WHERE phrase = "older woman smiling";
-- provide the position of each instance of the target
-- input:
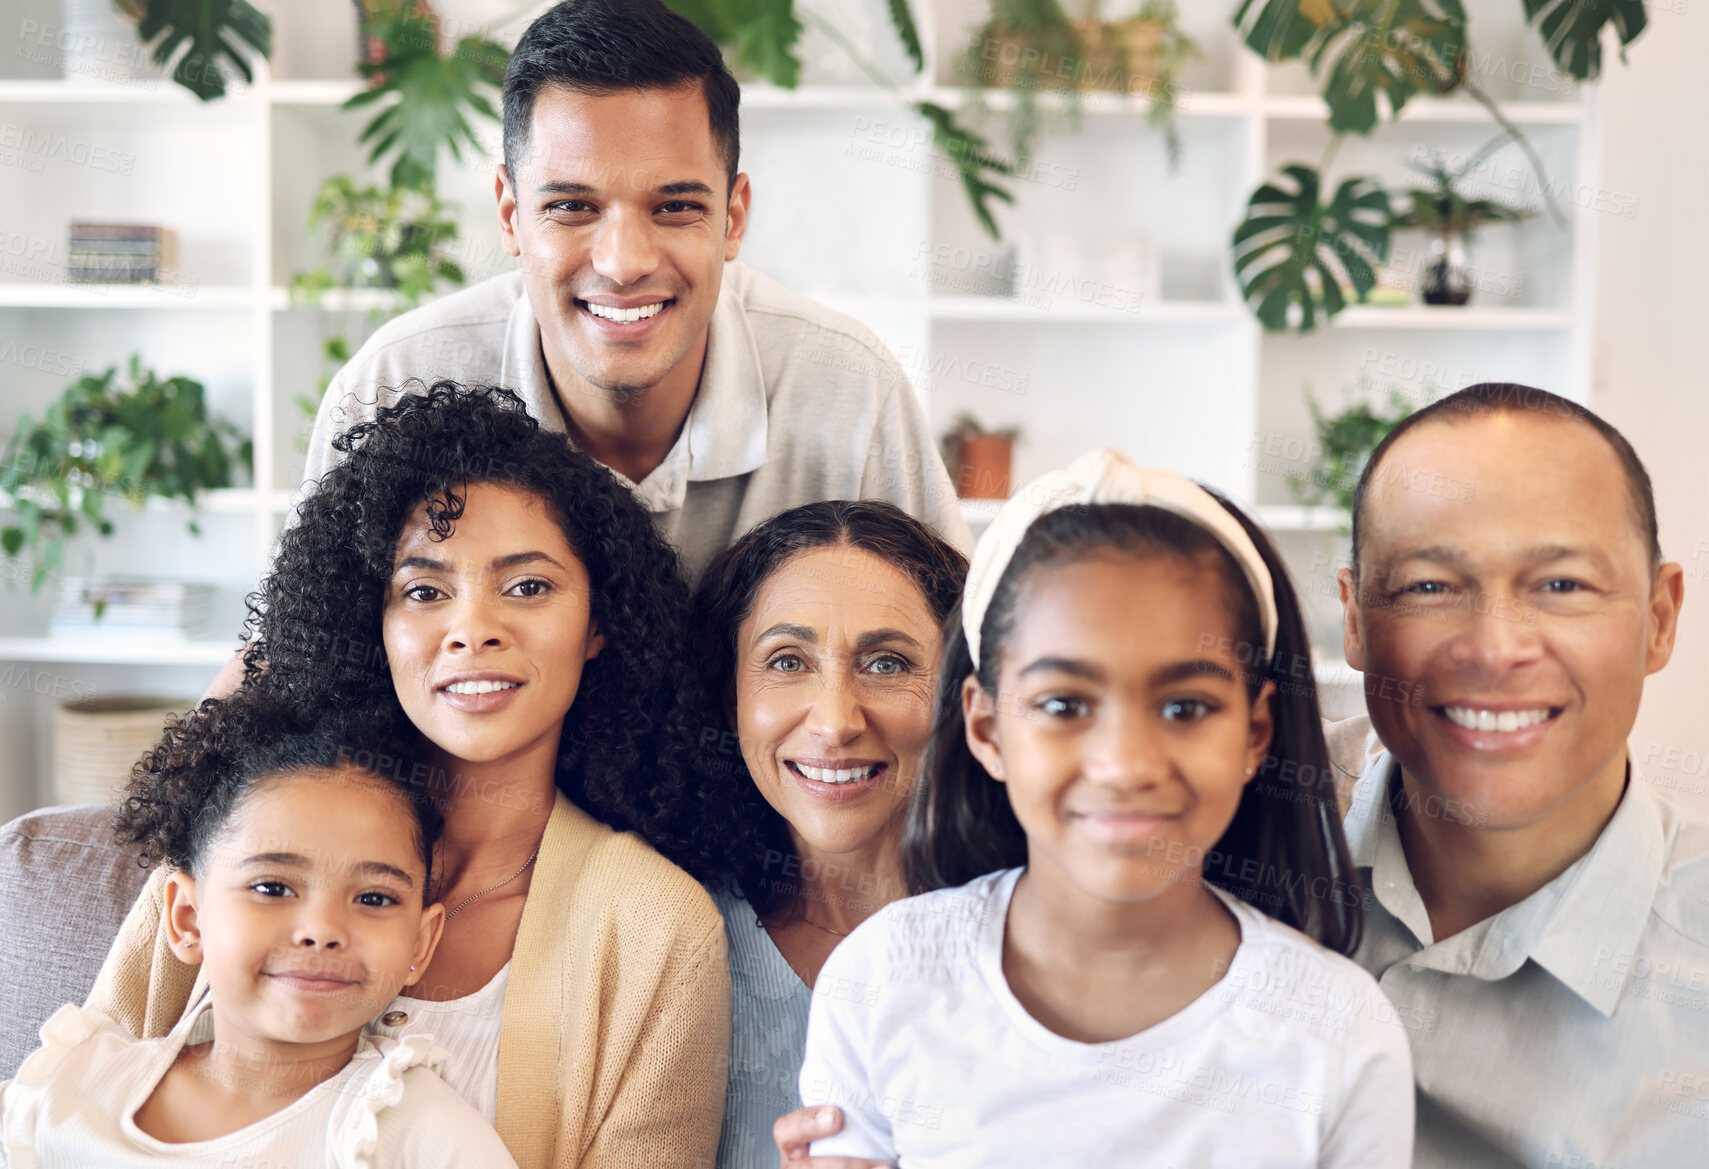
(820, 642)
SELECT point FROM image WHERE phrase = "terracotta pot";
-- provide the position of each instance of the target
(984, 466)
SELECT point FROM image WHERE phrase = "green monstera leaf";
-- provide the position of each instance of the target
(1292, 249)
(202, 39)
(1572, 30)
(435, 94)
(1360, 48)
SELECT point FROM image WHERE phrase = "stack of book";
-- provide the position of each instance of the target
(121, 253)
(132, 609)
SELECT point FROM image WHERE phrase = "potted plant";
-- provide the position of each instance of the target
(389, 238)
(1031, 45)
(980, 461)
(1443, 210)
(106, 436)
(381, 237)
(1344, 444)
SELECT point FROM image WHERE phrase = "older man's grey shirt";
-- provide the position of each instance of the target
(1569, 1031)
(796, 404)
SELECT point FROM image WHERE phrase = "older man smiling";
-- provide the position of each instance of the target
(1538, 916)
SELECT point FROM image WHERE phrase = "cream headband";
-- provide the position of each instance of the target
(1108, 476)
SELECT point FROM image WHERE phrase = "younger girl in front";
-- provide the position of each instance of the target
(300, 889)
(1128, 825)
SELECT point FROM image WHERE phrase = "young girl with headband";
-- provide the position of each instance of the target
(300, 887)
(1134, 947)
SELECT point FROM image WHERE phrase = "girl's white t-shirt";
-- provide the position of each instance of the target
(1295, 1058)
(74, 1103)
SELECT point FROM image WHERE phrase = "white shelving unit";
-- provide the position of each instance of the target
(852, 206)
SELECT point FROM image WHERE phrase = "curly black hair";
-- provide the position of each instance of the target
(185, 788)
(315, 624)
(759, 839)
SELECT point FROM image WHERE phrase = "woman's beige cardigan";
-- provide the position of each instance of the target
(616, 1026)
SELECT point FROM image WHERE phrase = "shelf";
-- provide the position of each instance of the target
(341, 300)
(203, 297)
(1283, 517)
(998, 308)
(121, 652)
(146, 91)
(221, 501)
(1424, 316)
(1191, 104)
(756, 96)
(1436, 110)
(313, 92)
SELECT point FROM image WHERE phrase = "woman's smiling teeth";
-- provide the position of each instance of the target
(624, 316)
(480, 687)
(837, 774)
(1476, 719)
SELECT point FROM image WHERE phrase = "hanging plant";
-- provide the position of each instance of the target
(434, 93)
(761, 35)
(1397, 48)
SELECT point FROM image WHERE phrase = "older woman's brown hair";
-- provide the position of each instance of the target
(761, 847)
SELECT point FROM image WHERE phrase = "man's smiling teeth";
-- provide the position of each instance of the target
(479, 687)
(1474, 719)
(624, 316)
(838, 774)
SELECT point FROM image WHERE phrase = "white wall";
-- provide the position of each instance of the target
(1652, 345)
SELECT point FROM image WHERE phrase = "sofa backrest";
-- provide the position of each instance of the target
(65, 888)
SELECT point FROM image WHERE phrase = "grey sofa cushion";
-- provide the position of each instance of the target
(65, 888)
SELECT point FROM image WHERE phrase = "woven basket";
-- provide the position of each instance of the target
(95, 743)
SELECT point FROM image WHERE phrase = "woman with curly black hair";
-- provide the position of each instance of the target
(467, 577)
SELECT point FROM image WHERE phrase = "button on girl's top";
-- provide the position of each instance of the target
(467, 1028)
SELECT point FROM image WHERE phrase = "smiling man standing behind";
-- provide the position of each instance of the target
(721, 397)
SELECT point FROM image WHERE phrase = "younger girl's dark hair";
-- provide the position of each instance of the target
(761, 846)
(1283, 853)
(184, 790)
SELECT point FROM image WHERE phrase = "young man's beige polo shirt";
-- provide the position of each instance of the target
(796, 404)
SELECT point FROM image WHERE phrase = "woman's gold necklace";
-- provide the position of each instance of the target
(799, 916)
(464, 904)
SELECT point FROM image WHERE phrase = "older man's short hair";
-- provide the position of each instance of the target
(1511, 398)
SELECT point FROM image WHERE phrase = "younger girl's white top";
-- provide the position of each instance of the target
(1293, 1059)
(74, 1103)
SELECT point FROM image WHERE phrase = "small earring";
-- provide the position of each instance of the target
(412, 969)
(1248, 771)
